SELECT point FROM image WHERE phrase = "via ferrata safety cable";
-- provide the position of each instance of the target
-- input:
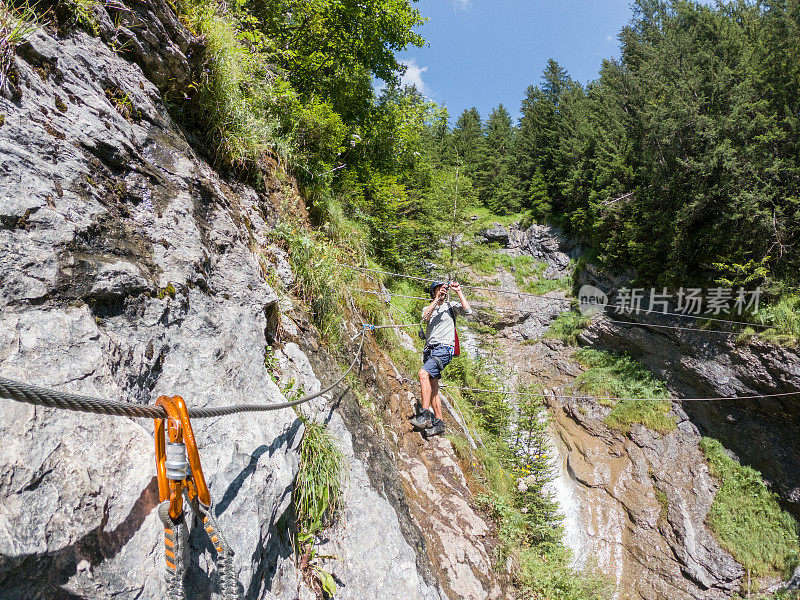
(31, 394)
(532, 312)
(589, 396)
(566, 300)
(368, 327)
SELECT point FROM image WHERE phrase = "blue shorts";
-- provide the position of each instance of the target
(434, 367)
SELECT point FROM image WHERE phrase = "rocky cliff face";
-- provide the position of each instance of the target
(642, 498)
(129, 268)
(694, 364)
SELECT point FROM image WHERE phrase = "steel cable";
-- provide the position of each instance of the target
(39, 396)
(589, 396)
(568, 300)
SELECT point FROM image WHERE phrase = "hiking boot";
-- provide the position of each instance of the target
(423, 420)
(437, 427)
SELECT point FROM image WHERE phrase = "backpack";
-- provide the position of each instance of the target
(457, 349)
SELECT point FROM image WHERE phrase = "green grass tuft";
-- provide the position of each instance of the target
(321, 282)
(321, 478)
(82, 13)
(783, 319)
(617, 376)
(747, 519)
(231, 86)
(407, 308)
(567, 327)
(529, 276)
(609, 375)
(484, 259)
(16, 24)
(652, 414)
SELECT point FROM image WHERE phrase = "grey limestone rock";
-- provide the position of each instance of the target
(496, 233)
(129, 269)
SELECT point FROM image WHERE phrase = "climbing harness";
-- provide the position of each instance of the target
(179, 477)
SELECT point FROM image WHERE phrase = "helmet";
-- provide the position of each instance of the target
(433, 286)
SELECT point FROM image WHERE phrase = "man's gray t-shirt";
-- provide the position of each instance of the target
(441, 329)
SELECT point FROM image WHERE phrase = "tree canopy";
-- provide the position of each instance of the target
(681, 160)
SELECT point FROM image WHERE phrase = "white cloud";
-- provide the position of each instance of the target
(413, 75)
(462, 4)
(609, 38)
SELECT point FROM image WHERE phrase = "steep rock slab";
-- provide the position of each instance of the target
(370, 556)
(126, 272)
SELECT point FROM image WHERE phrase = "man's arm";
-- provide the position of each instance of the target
(456, 287)
(426, 314)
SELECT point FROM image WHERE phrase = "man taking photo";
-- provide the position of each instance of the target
(440, 336)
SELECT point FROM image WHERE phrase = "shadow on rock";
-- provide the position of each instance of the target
(41, 576)
(285, 439)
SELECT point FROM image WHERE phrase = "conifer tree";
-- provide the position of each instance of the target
(467, 144)
(495, 179)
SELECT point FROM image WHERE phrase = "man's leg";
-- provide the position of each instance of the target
(435, 400)
(442, 356)
(425, 380)
(424, 417)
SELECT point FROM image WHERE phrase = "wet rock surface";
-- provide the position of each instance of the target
(644, 500)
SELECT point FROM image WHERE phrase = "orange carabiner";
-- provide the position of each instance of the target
(179, 429)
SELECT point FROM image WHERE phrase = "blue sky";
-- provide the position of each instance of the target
(483, 52)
